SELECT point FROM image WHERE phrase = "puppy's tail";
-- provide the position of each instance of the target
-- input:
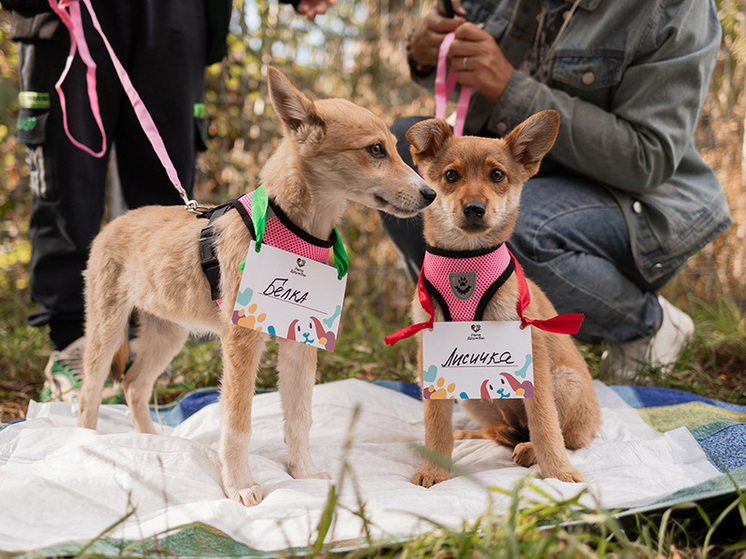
(119, 363)
(505, 434)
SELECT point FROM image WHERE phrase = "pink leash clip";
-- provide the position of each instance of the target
(444, 86)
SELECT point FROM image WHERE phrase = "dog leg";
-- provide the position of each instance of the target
(438, 438)
(158, 341)
(106, 331)
(242, 349)
(580, 416)
(296, 366)
(547, 441)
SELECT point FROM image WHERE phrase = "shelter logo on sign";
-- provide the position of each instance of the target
(475, 333)
(298, 269)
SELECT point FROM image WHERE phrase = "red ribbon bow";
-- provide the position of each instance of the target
(562, 324)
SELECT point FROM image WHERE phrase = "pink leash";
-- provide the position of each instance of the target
(74, 23)
(444, 86)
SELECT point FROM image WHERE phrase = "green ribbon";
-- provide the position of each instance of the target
(259, 205)
(340, 256)
(259, 208)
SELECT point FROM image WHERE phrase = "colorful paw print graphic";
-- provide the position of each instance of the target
(439, 390)
(248, 318)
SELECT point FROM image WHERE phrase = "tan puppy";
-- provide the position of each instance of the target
(479, 183)
(148, 261)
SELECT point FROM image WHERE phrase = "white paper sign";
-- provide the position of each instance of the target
(477, 360)
(290, 296)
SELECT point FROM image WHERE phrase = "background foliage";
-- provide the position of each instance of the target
(357, 52)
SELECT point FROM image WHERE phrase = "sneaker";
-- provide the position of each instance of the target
(63, 377)
(623, 362)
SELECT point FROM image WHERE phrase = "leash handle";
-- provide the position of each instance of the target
(445, 82)
(74, 23)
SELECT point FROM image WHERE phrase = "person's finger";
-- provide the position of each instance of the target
(471, 32)
(458, 8)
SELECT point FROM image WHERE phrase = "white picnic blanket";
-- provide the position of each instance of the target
(59, 483)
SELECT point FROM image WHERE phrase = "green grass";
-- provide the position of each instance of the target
(712, 366)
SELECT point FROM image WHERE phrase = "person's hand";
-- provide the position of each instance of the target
(428, 35)
(313, 8)
(477, 61)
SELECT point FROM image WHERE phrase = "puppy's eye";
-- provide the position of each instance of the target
(376, 150)
(496, 175)
(451, 175)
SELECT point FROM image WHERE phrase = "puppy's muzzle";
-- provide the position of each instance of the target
(428, 195)
(474, 212)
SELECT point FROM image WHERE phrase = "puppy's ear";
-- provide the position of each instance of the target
(532, 139)
(297, 112)
(428, 137)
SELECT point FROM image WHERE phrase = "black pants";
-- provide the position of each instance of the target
(162, 45)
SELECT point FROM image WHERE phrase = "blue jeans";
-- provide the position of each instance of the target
(571, 238)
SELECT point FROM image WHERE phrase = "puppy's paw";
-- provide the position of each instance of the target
(248, 497)
(568, 474)
(319, 475)
(460, 435)
(524, 455)
(306, 471)
(427, 477)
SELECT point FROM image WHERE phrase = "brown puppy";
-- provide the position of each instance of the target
(479, 183)
(148, 260)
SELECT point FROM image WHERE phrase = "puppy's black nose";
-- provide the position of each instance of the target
(428, 194)
(474, 211)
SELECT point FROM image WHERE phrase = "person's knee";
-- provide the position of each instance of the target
(530, 238)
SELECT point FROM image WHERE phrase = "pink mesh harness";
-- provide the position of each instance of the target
(282, 233)
(279, 232)
(464, 282)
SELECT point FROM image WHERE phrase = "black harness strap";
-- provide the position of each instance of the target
(208, 258)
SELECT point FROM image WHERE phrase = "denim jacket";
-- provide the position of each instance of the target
(629, 79)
